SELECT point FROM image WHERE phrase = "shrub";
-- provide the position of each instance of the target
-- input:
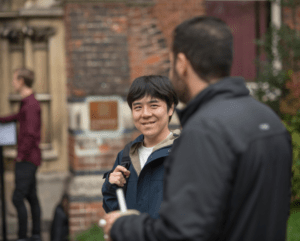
(279, 88)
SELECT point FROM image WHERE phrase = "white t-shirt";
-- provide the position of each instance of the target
(144, 153)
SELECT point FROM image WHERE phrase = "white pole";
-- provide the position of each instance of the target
(121, 200)
(122, 204)
(276, 22)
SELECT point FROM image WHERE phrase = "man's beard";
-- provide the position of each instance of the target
(180, 88)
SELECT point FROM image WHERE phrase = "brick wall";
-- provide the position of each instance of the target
(71, 146)
(108, 46)
(97, 48)
(83, 215)
(103, 160)
(171, 13)
(85, 197)
(148, 52)
(150, 34)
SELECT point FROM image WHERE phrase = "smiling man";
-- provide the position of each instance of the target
(152, 100)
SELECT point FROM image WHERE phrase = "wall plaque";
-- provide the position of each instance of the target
(104, 115)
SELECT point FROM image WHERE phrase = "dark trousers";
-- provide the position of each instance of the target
(25, 182)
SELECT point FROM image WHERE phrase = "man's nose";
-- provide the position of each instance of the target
(146, 112)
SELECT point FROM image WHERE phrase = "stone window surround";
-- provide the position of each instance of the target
(38, 33)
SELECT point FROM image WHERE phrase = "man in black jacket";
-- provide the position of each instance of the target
(228, 176)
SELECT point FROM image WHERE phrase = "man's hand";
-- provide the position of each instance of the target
(110, 219)
(116, 177)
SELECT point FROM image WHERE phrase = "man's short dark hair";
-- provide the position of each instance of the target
(155, 86)
(25, 74)
(207, 42)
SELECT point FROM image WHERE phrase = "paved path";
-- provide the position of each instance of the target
(50, 188)
(12, 227)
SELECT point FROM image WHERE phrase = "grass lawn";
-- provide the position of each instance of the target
(93, 234)
(293, 229)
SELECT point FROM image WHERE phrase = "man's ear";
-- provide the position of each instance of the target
(171, 110)
(22, 82)
(181, 65)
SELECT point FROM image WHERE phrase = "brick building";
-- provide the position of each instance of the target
(108, 45)
(85, 54)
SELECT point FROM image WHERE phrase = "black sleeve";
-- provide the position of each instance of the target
(198, 177)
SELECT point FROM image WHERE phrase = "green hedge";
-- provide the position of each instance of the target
(93, 234)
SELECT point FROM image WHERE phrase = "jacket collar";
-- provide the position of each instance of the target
(225, 88)
(166, 142)
(138, 142)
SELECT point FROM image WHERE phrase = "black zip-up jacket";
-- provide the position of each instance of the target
(228, 176)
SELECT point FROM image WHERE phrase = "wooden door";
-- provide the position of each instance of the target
(248, 21)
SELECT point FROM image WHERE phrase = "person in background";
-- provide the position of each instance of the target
(60, 224)
(29, 154)
(152, 100)
(228, 176)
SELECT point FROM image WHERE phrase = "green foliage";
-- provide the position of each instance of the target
(278, 85)
(292, 124)
(93, 234)
(293, 230)
(293, 226)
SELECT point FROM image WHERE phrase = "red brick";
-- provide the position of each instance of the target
(152, 59)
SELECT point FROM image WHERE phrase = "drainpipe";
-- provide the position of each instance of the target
(276, 22)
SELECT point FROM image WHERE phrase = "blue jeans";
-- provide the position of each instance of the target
(25, 182)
